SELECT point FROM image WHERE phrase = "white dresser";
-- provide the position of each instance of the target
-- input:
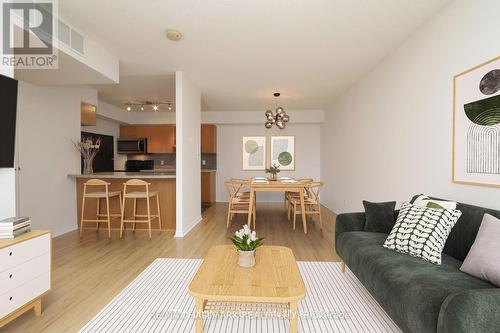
(25, 273)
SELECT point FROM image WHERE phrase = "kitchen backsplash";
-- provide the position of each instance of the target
(167, 161)
(209, 161)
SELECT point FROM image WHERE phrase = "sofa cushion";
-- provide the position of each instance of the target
(424, 201)
(379, 216)
(464, 232)
(409, 289)
(421, 231)
(482, 260)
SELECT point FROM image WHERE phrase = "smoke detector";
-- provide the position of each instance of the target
(173, 35)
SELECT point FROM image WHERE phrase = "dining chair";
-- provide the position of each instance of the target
(244, 191)
(101, 192)
(311, 202)
(147, 194)
(239, 199)
(295, 194)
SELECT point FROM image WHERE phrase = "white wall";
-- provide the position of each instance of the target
(307, 153)
(207, 117)
(256, 117)
(5, 70)
(390, 135)
(188, 169)
(106, 126)
(7, 193)
(48, 121)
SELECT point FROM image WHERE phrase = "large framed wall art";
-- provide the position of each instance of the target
(476, 125)
(253, 153)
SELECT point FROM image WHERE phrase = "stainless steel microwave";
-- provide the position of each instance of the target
(132, 146)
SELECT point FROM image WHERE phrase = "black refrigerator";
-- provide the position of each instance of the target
(104, 161)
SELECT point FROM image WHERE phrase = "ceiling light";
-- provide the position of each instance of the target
(148, 106)
(173, 35)
(280, 119)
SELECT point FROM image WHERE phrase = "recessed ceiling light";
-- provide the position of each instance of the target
(129, 108)
(155, 107)
(174, 35)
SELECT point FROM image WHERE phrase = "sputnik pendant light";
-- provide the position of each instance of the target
(280, 119)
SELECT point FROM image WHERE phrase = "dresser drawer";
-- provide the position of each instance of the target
(19, 253)
(14, 299)
(14, 277)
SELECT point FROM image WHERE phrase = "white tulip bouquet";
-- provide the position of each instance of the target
(246, 239)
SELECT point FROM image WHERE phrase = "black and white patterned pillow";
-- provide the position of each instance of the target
(422, 231)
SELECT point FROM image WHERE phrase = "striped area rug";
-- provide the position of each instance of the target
(158, 301)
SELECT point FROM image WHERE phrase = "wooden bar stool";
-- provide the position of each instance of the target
(106, 194)
(140, 195)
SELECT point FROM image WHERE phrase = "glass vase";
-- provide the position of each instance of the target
(88, 167)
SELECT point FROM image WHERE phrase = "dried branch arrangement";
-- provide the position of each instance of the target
(88, 148)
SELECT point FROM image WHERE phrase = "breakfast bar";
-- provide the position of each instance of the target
(162, 182)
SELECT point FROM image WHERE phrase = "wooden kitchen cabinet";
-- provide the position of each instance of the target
(88, 114)
(207, 187)
(208, 138)
(161, 138)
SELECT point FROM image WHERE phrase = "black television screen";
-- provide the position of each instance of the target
(8, 107)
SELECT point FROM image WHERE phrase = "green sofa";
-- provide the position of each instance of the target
(419, 296)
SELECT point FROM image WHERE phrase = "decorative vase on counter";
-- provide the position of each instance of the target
(246, 259)
(88, 166)
(88, 148)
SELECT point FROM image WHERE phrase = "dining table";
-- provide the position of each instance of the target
(279, 185)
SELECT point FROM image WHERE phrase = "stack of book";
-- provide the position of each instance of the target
(14, 226)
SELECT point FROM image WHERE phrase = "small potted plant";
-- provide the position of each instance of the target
(246, 242)
(273, 170)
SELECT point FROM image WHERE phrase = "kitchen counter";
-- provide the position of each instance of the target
(128, 175)
(173, 170)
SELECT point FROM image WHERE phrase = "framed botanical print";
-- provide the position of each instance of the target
(476, 125)
(253, 153)
(283, 152)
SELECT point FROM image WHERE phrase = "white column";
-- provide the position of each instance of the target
(188, 164)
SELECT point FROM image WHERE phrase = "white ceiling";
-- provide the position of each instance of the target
(240, 52)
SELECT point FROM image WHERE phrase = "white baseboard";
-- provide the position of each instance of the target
(193, 224)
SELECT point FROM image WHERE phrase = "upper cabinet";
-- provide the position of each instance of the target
(88, 114)
(208, 138)
(161, 138)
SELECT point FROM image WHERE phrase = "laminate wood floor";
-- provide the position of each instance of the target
(88, 273)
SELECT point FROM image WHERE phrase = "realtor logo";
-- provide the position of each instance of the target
(28, 34)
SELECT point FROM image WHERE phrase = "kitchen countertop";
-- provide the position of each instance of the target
(126, 175)
(173, 170)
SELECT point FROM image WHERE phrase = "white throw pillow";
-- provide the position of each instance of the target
(424, 201)
(421, 231)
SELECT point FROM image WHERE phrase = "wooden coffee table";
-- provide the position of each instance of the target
(274, 285)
